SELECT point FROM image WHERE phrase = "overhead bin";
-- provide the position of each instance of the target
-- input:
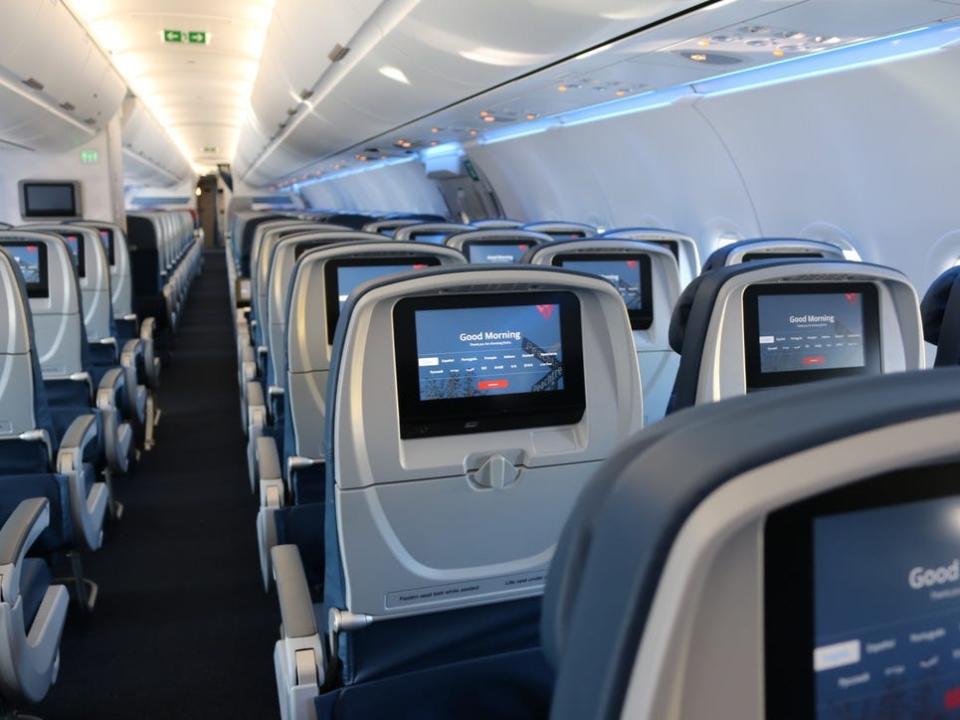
(57, 90)
(149, 154)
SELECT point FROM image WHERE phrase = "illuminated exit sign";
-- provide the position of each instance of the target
(194, 37)
(197, 37)
(89, 157)
(173, 36)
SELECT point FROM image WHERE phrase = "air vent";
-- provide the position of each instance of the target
(89, 121)
(306, 94)
(338, 53)
(68, 106)
(291, 111)
(33, 83)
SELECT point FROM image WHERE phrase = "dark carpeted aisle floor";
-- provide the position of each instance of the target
(182, 627)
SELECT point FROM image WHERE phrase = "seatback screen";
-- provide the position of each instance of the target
(31, 259)
(795, 333)
(495, 253)
(342, 275)
(476, 363)
(49, 199)
(106, 239)
(863, 595)
(432, 238)
(560, 236)
(75, 246)
(629, 273)
(750, 257)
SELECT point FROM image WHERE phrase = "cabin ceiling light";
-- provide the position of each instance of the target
(395, 74)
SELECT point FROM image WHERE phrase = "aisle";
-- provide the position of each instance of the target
(182, 628)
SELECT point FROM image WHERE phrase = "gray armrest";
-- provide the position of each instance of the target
(116, 438)
(248, 363)
(132, 351)
(269, 472)
(148, 330)
(28, 658)
(242, 291)
(296, 605)
(86, 509)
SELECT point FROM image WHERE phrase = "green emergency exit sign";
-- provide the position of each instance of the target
(197, 37)
(89, 157)
(173, 36)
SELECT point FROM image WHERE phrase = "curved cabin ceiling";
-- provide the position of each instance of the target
(199, 87)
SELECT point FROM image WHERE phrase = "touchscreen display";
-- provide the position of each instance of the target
(432, 238)
(106, 239)
(75, 246)
(341, 276)
(496, 253)
(750, 257)
(31, 259)
(796, 332)
(887, 612)
(471, 363)
(630, 274)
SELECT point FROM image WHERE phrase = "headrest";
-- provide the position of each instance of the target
(934, 304)
(672, 537)
(498, 246)
(431, 232)
(496, 223)
(683, 247)
(770, 249)
(559, 230)
(712, 318)
(387, 226)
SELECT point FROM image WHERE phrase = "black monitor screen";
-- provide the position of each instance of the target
(496, 253)
(432, 238)
(472, 363)
(341, 276)
(630, 274)
(568, 235)
(795, 333)
(50, 199)
(75, 245)
(863, 601)
(106, 238)
(31, 258)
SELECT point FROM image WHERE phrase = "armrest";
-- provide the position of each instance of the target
(296, 605)
(86, 509)
(248, 363)
(131, 359)
(262, 352)
(18, 533)
(243, 291)
(270, 472)
(148, 331)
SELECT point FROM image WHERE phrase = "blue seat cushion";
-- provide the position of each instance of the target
(511, 685)
(34, 581)
(16, 488)
(302, 525)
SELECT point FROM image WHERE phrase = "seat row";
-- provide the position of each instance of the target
(420, 429)
(79, 371)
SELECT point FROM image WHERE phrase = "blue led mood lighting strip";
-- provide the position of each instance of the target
(867, 53)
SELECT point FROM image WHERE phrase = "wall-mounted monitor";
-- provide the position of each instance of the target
(342, 275)
(495, 253)
(31, 259)
(50, 199)
(630, 274)
(799, 332)
(475, 363)
(862, 600)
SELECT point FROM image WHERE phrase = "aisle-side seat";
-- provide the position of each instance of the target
(434, 233)
(649, 282)
(940, 311)
(768, 323)
(287, 463)
(683, 247)
(38, 458)
(501, 246)
(442, 509)
(561, 230)
(64, 353)
(768, 248)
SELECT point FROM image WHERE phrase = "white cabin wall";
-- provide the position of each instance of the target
(391, 188)
(97, 196)
(868, 154)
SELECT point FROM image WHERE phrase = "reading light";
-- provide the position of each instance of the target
(489, 118)
(395, 74)
(699, 57)
(561, 88)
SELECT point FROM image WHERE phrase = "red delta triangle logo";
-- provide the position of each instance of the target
(852, 297)
(420, 266)
(632, 264)
(546, 311)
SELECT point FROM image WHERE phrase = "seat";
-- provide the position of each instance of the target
(771, 249)
(439, 520)
(560, 230)
(497, 224)
(649, 281)
(286, 462)
(37, 460)
(434, 233)
(763, 324)
(63, 351)
(788, 563)
(940, 311)
(683, 247)
(496, 247)
(389, 226)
